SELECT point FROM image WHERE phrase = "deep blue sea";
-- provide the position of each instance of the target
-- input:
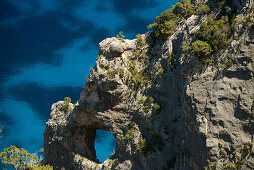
(46, 50)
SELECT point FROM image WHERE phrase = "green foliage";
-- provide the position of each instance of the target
(120, 72)
(156, 106)
(172, 60)
(221, 2)
(223, 152)
(44, 167)
(130, 133)
(99, 57)
(201, 49)
(215, 32)
(18, 158)
(112, 74)
(160, 71)
(142, 100)
(245, 152)
(220, 144)
(151, 144)
(184, 8)
(67, 100)
(143, 146)
(120, 36)
(167, 23)
(252, 106)
(247, 148)
(140, 41)
(107, 67)
(204, 9)
(228, 64)
(65, 107)
(185, 45)
(137, 79)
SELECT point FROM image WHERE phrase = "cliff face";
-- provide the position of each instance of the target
(168, 105)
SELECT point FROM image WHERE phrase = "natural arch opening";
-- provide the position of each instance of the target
(105, 144)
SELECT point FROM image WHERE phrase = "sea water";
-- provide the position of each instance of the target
(47, 48)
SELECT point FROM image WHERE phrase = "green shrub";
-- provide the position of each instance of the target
(120, 72)
(130, 133)
(112, 74)
(44, 167)
(167, 23)
(184, 8)
(228, 64)
(215, 32)
(204, 9)
(201, 49)
(140, 41)
(65, 107)
(143, 146)
(18, 158)
(160, 70)
(107, 67)
(156, 106)
(142, 100)
(120, 36)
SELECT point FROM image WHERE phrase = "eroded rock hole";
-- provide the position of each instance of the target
(105, 144)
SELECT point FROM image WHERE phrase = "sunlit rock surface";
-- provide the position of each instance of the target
(164, 115)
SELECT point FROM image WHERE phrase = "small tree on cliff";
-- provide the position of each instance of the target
(18, 158)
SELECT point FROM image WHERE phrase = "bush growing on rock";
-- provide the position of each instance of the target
(167, 23)
(215, 32)
(201, 49)
(65, 107)
(120, 36)
(44, 167)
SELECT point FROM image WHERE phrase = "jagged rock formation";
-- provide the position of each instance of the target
(167, 106)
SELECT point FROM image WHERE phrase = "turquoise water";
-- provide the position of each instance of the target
(47, 48)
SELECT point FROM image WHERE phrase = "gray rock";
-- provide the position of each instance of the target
(185, 115)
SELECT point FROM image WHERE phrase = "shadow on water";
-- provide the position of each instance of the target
(41, 98)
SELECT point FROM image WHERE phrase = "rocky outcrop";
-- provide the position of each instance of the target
(166, 108)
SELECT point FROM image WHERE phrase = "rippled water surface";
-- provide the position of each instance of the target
(47, 48)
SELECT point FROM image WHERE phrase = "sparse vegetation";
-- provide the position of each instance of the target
(120, 36)
(18, 158)
(143, 146)
(252, 106)
(66, 106)
(159, 71)
(131, 132)
(112, 74)
(107, 67)
(140, 42)
(44, 167)
(245, 152)
(228, 64)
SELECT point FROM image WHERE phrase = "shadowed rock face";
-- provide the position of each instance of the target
(164, 113)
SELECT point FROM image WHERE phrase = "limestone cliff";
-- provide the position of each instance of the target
(169, 104)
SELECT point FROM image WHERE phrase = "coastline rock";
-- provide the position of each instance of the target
(165, 111)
